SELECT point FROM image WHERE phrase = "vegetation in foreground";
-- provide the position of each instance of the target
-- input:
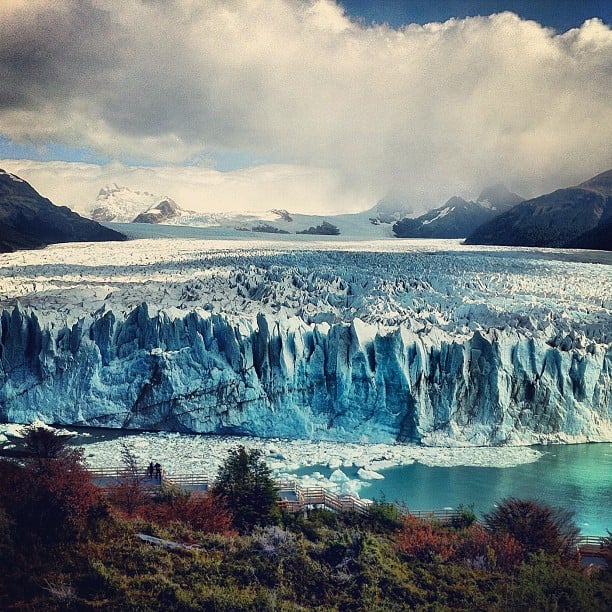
(65, 546)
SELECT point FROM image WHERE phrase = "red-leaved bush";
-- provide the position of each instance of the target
(425, 540)
(481, 549)
(49, 499)
(202, 511)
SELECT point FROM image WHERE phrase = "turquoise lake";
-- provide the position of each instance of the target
(575, 477)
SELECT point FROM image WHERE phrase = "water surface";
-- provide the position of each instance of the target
(575, 477)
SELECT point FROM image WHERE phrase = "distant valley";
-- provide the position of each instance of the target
(578, 217)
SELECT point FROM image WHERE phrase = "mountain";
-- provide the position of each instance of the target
(576, 217)
(499, 197)
(29, 221)
(118, 204)
(160, 213)
(599, 238)
(458, 217)
(122, 205)
(389, 210)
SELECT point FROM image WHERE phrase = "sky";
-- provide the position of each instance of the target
(308, 105)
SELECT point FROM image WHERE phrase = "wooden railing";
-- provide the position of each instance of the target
(293, 497)
(188, 481)
(591, 540)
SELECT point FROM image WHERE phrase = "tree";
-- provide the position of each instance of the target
(45, 443)
(245, 481)
(130, 491)
(535, 526)
(49, 500)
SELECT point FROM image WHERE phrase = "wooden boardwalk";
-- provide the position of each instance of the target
(295, 498)
(292, 496)
(593, 548)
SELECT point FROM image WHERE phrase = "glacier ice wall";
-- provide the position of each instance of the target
(269, 376)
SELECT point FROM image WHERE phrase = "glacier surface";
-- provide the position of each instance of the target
(379, 342)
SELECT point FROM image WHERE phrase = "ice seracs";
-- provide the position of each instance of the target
(448, 346)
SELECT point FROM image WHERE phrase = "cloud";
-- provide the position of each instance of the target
(257, 189)
(425, 110)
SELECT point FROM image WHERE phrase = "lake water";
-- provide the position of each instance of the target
(576, 477)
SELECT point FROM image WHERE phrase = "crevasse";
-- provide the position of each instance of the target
(264, 376)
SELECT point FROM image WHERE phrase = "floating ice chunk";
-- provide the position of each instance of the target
(338, 476)
(350, 487)
(334, 463)
(369, 474)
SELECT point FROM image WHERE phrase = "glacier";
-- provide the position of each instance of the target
(448, 346)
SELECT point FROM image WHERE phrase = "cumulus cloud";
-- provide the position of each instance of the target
(427, 111)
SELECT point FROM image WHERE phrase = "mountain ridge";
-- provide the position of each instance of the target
(458, 218)
(574, 217)
(29, 220)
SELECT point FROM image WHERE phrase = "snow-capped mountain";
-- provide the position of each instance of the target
(122, 205)
(458, 218)
(162, 212)
(578, 216)
(29, 221)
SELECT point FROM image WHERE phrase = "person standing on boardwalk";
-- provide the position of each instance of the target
(158, 471)
(150, 470)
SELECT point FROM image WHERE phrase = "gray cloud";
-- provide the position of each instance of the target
(427, 110)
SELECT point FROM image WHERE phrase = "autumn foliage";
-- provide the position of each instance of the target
(201, 511)
(50, 499)
(425, 541)
(475, 546)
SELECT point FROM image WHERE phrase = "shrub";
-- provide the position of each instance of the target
(482, 549)
(535, 526)
(49, 499)
(425, 541)
(384, 517)
(205, 512)
(464, 518)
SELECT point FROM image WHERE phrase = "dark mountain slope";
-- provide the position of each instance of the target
(29, 221)
(563, 218)
(458, 217)
(599, 238)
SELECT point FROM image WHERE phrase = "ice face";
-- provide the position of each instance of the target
(445, 347)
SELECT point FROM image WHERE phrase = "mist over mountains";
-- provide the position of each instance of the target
(458, 218)
(575, 217)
